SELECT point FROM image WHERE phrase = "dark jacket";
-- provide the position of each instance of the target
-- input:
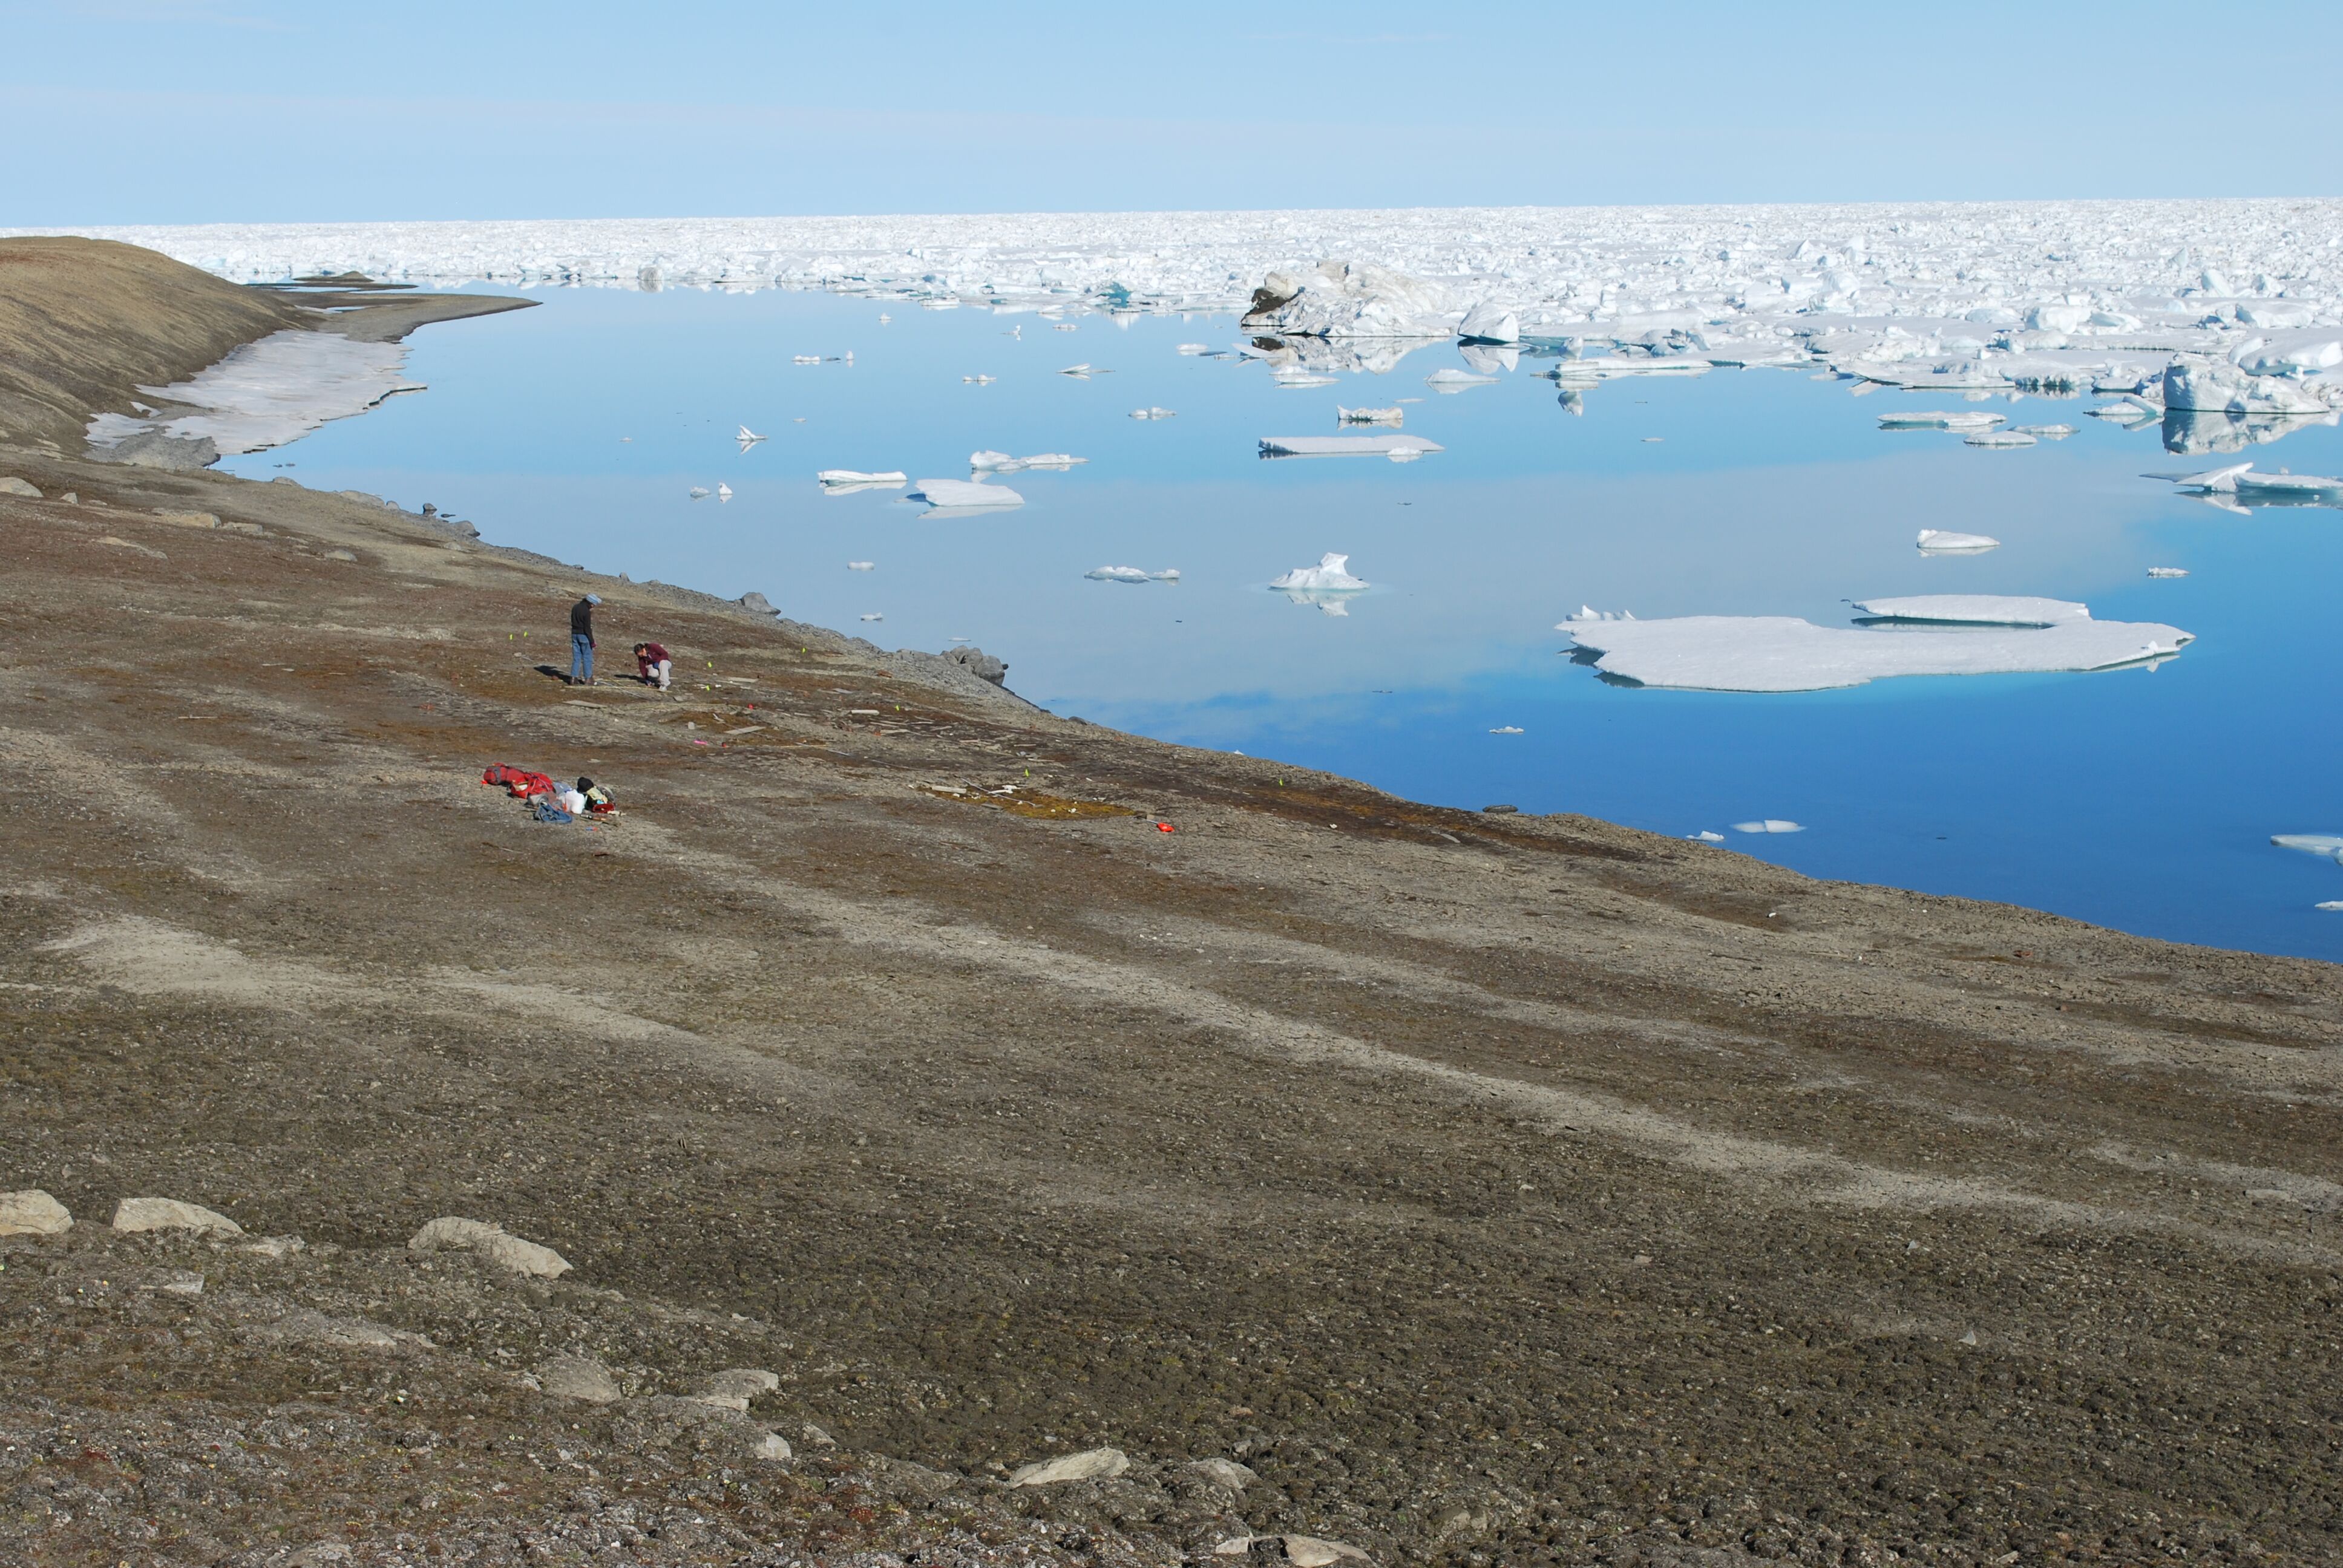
(581, 621)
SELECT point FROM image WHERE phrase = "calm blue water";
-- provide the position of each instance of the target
(2135, 799)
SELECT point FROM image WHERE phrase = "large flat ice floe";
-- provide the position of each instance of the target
(1401, 446)
(268, 392)
(1782, 653)
(957, 495)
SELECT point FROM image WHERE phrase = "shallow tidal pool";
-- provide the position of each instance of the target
(2142, 798)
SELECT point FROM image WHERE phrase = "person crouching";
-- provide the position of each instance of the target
(652, 662)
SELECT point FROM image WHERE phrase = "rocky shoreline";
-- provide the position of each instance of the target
(1493, 1189)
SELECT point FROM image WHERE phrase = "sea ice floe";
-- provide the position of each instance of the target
(874, 615)
(1944, 542)
(1299, 380)
(2327, 846)
(268, 392)
(1351, 299)
(1975, 609)
(2206, 481)
(2195, 383)
(1612, 367)
(1332, 574)
(2283, 486)
(1392, 415)
(805, 359)
(2167, 571)
(1399, 447)
(748, 438)
(1133, 575)
(842, 481)
(1782, 653)
(2043, 432)
(1588, 613)
(698, 492)
(2329, 904)
(860, 565)
(1453, 380)
(1152, 412)
(1707, 836)
(956, 493)
(1998, 438)
(1942, 419)
(1193, 349)
(1769, 824)
(990, 462)
(1507, 730)
(723, 493)
(1084, 369)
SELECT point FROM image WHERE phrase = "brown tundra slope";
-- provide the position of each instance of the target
(1493, 1190)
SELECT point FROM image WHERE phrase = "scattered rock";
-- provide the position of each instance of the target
(72, 500)
(451, 1234)
(734, 1387)
(324, 1554)
(32, 1212)
(815, 1437)
(154, 449)
(1308, 1552)
(340, 556)
(578, 1377)
(754, 601)
(14, 487)
(187, 519)
(170, 1215)
(1225, 1472)
(306, 1326)
(979, 664)
(772, 1446)
(273, 1247)
(1501, 811)
(1090, 1464)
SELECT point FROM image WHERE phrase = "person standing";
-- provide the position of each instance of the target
(581, 640)
(653, 665)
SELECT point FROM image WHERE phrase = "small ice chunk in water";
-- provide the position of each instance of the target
(807, 358)
(1298, 378)
(698, 492)
(1152, 412)
(723, 493)
(874, 615)
(1051, 460)
(1195, 348)
(1391, 415)
(1941, 419)
(1331, 572)
(1769, 824)
(2328, 846)
(978, 380)
(1507, 730)
(965, 493)
(1941, 542)
(1999, 439)
(1588, 613)
(748, 438)
(1397, 447)
(1975, 609)
(2043, 432)
(854, 479)
(2167, 571)
(1118, 574)
(2329, 904)
(1083, 370)
(990, 462)
(860, 565)
(1706, 837)
(2205, 481)
(1453, 380)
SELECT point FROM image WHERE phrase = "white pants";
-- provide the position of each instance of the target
(659, 672)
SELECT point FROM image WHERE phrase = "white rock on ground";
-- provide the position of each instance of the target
(14, 487)
(1090, 1464)
(493, 1242)
(32, 1212)
(772, 1446)
(1310, 1551)
(1225, 1472)
(734, 1387)
(578, 1377)
(170, 1215)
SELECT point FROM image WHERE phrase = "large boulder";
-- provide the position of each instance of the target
(979, 663)
(1351, 300)
(32, 1212)
(15, 487)
(492, 1242)
(170, 1215)
(1090, 1464)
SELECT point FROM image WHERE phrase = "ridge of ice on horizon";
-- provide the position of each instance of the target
(2103, 270)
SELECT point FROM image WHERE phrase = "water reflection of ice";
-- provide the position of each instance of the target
(2189, 432)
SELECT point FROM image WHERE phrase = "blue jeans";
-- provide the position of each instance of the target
(581, 658)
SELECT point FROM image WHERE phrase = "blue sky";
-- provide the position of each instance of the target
(180, 111)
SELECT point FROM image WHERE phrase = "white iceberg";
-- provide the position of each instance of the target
(698, 492)
(1490, 322)
(1706, 837)
(1782, 653)
(1769, 824)
(1454, 381)
(855, 480)
(2328, 846)
(1391, 415)
(1944, 542)
(1152, 412)
(1051, 460)
(1352, 299)
(1296, 379)
(748, 438)
(1193, 348)
(1347, 446)
(941, 493)
(1942, 419)
(993, 462)
(978, 380)
(1118, 574)
(2167, 571)
(2002, 438)
(2195, 383)
(806, 358)
(1507, 730)
(860, 565)
(1976, 609)
(723, 493)
(1331, 574)
(2207, 481)
(1084, 369)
